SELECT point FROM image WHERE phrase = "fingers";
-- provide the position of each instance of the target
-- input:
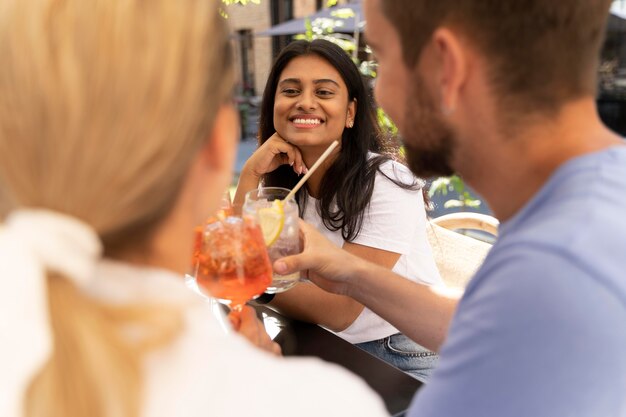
(289, 153)
(249, 323)
(302, 261)
(272, 347)
(299, 167)
(235, 320)
(322, 262)
(252, 329)
(288, 265)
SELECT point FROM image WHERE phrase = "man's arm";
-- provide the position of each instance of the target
(310, 303)
(537, 334)
(420, 312)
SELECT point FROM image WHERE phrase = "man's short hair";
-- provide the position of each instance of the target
(540, 53)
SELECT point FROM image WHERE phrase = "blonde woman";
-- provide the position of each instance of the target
(117, 136)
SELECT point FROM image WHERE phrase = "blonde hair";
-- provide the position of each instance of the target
(103, 105)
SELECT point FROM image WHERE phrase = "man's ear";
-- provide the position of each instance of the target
(451, 56)
(220, 149)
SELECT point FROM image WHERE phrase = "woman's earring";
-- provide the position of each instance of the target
(447, 110)
(350, 123)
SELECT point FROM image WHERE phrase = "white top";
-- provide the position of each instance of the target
(395, 221)
(207, 372)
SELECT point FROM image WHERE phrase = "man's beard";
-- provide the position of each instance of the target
(428, 140)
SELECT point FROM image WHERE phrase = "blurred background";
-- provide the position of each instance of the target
(263, 27)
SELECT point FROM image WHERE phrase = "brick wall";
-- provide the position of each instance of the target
(303, 8)
(257, 17)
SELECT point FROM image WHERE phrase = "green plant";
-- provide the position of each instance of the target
(242, 2)
(324, 28)
(231, 2)
(443, 185)
(386, 124)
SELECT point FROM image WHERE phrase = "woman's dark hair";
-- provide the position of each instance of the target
(349, 182)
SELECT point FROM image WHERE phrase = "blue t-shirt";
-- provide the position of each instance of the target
(541, 329)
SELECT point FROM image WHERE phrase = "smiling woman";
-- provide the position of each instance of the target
(311, 105)
(315, 95)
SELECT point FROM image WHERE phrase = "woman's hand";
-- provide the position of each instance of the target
(275, 152)
(249, 326)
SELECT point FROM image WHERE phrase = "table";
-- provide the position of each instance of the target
(304, 339)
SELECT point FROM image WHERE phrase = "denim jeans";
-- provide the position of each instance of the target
(403, 353)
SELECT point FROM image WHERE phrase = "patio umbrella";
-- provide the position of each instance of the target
(296, 26)
(617, 21)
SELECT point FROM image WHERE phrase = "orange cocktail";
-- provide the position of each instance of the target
(232, 264)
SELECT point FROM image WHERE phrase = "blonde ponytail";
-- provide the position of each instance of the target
(95, 368)
(103, 105)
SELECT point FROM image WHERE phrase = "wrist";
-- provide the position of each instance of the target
(249, 172)
(357, 278)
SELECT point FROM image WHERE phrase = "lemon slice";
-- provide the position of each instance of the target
(271, 220)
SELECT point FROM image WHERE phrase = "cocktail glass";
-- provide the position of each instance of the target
(279, 221)
(231, 261)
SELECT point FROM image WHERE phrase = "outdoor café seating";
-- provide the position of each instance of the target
(459, 255)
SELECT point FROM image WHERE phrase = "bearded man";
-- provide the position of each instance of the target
(503, 93)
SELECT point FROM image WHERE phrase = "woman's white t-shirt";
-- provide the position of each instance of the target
(395, 221)
(208, 372)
